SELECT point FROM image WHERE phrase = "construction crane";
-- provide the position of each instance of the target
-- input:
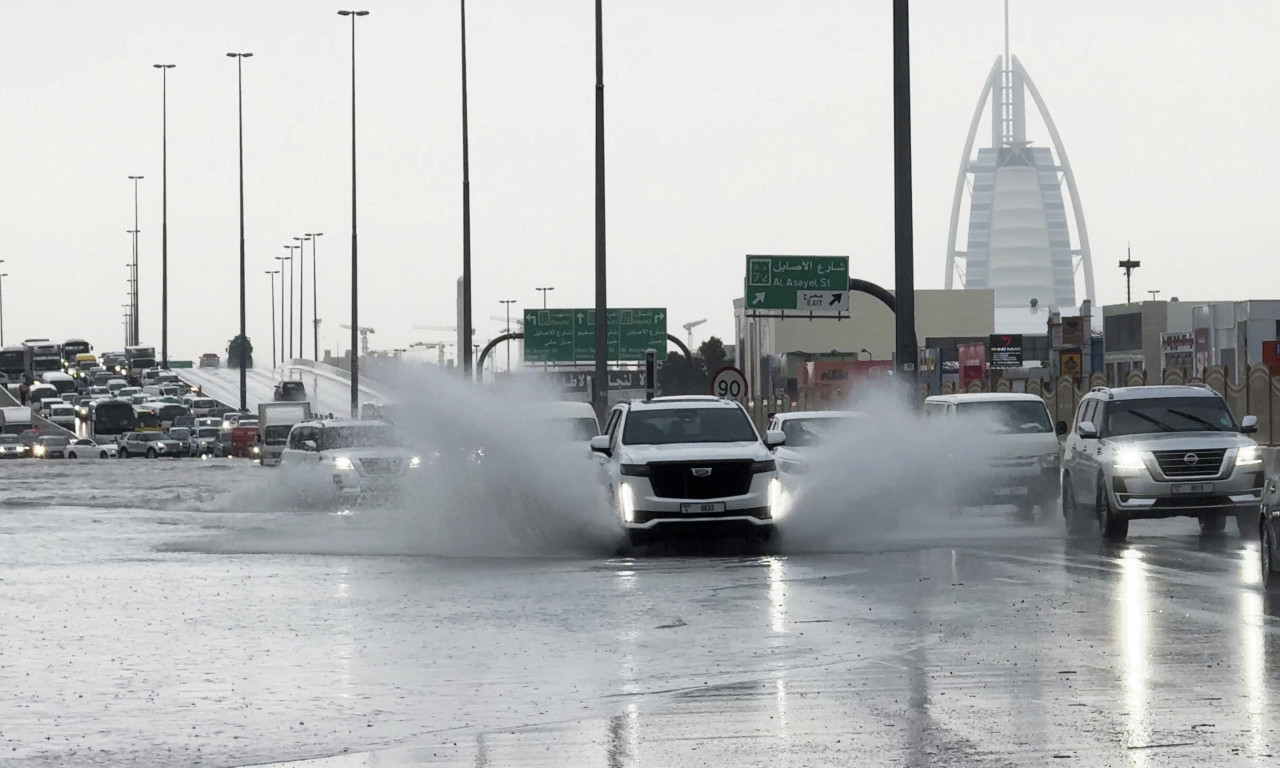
(519, 324)
(688, 327)
(364, 337)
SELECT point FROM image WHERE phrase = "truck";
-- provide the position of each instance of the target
(14, 420)
(240, 353)
(40, 356)
(274, 422)
(136, 360)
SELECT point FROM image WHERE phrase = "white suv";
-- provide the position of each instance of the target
(689, 464)
(1160, 451)
(360, 458)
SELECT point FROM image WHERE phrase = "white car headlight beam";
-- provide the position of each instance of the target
(342, 462)
(627, 502)
(1250, 455)
(1128, 462)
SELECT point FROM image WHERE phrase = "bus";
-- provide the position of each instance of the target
(109, 419)
(73, 347)
(13, 362)
(40, 355)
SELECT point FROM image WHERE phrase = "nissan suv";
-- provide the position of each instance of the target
(689, 464)
(1138, 453)
(355, 459)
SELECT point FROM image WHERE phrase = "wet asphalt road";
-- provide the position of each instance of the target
(210, 628)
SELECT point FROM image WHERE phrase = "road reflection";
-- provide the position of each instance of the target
(1132, 617)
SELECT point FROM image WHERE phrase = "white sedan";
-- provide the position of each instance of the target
(84, 448)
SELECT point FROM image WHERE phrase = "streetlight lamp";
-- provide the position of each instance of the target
(273, 273)
(544, 294)
(244, 339)
(136, 329)
(282, 260)
(164, 213)
(2, 277)
(355, 320)
(508, 302)
(315, 318)
(291, 260)
(302, 293)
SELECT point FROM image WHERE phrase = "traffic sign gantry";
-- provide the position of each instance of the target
(568, 335)
(807, 283)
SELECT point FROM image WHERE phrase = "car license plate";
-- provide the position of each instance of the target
(1193, 487)
(705, 508)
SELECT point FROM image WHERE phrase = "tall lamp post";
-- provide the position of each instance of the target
(282, 260)
(464, 338)
(544, 294)
(302, 293)
(136, 329)
(244, 339)
(315, 317)
(291, 260)
(2, 277)
(164, 213)
(355, 319)
(273, 273)
(133, 290)
(508, 302)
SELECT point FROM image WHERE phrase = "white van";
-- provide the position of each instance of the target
(572, 419)
(200, 405)
(1007, 449)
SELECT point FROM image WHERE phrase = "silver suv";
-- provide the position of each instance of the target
(1138, 453)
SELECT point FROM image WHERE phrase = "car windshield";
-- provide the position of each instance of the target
(1167, 414)
(662, 426)
(9, 440)
(291, 387)
(179, 434)
(207, 432)
(806, 432)
(1022, 416)
(357, 437)
(56, 441)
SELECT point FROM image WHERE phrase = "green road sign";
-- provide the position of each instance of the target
(807, 283)
(569, 335)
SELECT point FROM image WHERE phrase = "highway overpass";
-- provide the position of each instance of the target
(328, 388)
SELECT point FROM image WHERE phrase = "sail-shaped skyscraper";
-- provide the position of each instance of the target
(1019, 241)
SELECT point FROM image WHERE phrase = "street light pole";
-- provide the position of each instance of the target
(2, 277)
(302, 293)
(164, 213)
(544, 294)
(273, 273)
(282, 260)
(465, 337)
(315, 317)
(355, 317)
(508, 302)
(244, 339)
(292, 259)
(136, 301)
(600, 396)
(133, 290)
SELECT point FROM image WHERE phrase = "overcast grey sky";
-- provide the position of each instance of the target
(733, 127)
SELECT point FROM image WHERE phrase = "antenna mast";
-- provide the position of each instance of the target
(1128, 265)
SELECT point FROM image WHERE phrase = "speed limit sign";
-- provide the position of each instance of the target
(729, 382)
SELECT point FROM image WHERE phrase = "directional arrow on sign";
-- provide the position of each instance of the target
(758, 298)
(835, 299)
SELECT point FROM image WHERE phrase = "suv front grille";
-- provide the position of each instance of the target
(676, 480)
(380, 466)
(1191, 463)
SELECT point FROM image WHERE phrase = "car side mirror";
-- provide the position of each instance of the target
(600, 444)
(1249, 424)
(310, 445)
(1061, 428)
(774, 438)
(1087, 430)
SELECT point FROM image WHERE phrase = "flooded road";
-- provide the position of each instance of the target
(174, 613)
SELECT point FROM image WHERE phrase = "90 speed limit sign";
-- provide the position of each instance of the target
(729, 382)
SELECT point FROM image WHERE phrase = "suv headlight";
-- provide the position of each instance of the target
(1049, 460)
(415, 461)
(1128, 462)
(342, 462)
(1250, 455)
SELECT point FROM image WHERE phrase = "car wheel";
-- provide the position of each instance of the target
(151, 453)
(124, 453)
(1113, 525)
(1270, 581)
(1077, 523)
(1213, 524)
(101, 455)
(1246, 524)
(71, 455)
